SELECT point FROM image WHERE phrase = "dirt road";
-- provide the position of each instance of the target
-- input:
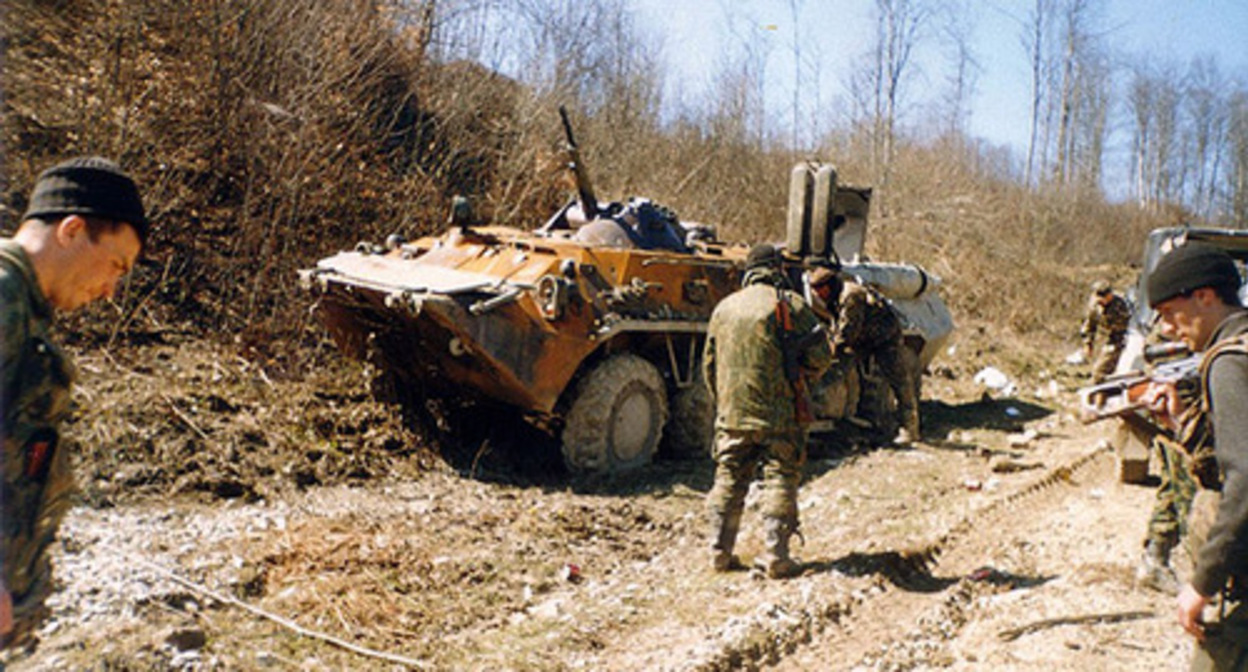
(1004, 541)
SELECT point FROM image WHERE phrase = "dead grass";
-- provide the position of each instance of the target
(176, 419)
(269, 134)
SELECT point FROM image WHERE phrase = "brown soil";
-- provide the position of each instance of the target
(218, 490)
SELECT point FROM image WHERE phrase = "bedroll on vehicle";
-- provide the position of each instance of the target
(592, 326)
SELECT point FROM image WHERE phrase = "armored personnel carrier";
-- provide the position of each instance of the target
(591, 326)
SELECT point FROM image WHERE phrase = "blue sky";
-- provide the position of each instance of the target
(1168, 30)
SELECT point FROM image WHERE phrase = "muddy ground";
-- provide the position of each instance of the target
(238, 516)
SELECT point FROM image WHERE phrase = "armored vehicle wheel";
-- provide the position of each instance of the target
(692, 428)
(616, 418)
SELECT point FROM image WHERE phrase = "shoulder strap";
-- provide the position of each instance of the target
(1237, 344)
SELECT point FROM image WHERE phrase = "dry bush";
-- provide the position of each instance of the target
(263, 134)
(267, 134)
(1010, 257)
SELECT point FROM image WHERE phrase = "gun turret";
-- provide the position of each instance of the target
(584, 188)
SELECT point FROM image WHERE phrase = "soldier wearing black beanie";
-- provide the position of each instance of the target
(1194, 289)
(83, 230)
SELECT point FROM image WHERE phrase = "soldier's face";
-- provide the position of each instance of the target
(93, 267)
(1190, 318)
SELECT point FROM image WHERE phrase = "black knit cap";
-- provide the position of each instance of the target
(763, 254)
(89, 186)
(1189, 267)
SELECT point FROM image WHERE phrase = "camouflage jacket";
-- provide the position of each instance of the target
(37, 480)
(865, 321)
(744, 360)
(1113, 318)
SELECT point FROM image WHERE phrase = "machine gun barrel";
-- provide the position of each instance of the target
(584, 188)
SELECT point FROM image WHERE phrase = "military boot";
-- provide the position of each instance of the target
(1155, 571)
(909, 431)
(725, 526)
(775, 561)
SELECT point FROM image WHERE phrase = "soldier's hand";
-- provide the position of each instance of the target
(1162, 399)
(1191, 604)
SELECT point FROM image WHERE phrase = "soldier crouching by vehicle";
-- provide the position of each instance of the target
(762, 343)
(867, 327)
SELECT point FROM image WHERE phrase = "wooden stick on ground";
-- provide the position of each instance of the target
(1014, 633)
(286, 623)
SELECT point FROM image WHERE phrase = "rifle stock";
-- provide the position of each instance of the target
(792, 346)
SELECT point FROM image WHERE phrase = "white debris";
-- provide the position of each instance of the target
(1022, 440)
(994, 379)
(1049, 391)
(1076, 358)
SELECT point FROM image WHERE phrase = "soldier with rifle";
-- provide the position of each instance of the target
(1194, 289)
(762, 344)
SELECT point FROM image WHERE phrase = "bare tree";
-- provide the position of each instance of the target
(1090, 122)
(899, 25)
(1078, 63)
(1154, 101)
(1206, 119)
(957, 32)
(1141, 104)
(1036, 41)
(1237, 145)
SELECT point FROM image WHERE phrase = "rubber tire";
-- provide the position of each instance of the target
(616, 419)
(691, 430)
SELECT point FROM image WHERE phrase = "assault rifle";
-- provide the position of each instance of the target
(584, 188)
(792, 346)
(1121, 394)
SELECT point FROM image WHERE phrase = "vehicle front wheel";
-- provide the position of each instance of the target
(616, 418)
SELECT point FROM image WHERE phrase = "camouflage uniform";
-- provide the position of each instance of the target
(1113, 318)
(868, 327)
(757, 409)
(1172, 502)
(37, 479)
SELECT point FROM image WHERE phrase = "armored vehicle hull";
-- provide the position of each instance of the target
(591, 327)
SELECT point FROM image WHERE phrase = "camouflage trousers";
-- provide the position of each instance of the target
(738, 455)
(1106, 361)
(1173, 502)
(901, 368)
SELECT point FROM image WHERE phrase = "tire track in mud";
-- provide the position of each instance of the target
(775, 632)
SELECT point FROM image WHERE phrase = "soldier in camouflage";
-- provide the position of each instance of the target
(1195, 290)
(866, 326)
(1110, 313)
(762, 343)
(83, 230)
